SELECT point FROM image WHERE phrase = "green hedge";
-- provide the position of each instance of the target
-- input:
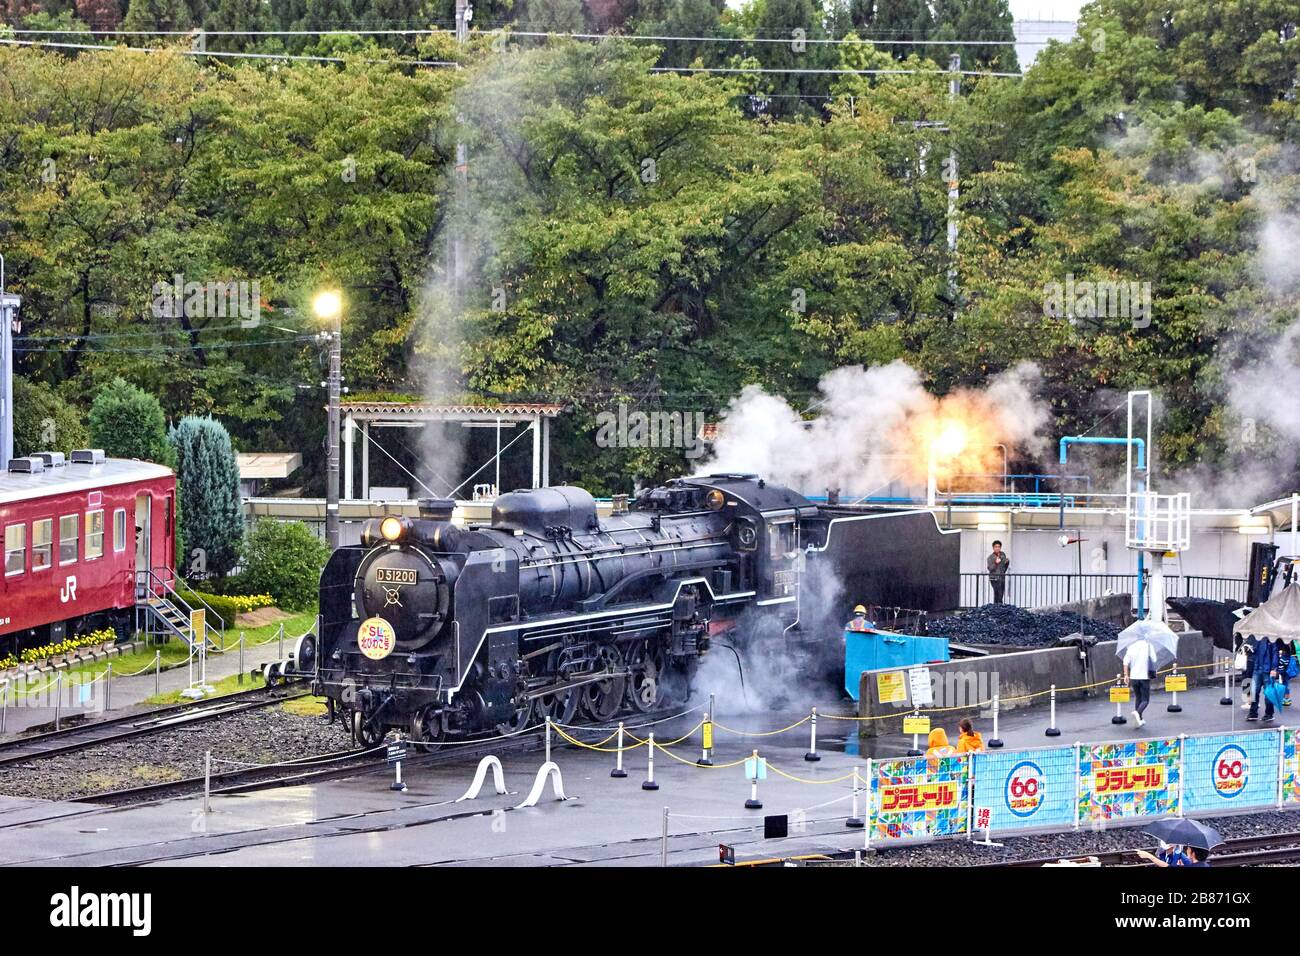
(227, 606)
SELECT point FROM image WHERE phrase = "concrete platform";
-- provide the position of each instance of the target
(606, 822)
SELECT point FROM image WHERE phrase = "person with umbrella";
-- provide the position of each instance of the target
(1197, 838)
(1144, 647)
(1269, 659)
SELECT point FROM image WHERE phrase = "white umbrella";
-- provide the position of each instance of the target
(1156, 633)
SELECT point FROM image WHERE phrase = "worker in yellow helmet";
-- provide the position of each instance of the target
(859, 621)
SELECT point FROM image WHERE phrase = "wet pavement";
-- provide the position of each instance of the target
(605, 821)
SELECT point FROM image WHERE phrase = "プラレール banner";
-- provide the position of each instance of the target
(1133, 779)
(919, 797)
(1026, 788)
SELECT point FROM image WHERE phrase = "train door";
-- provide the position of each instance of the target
(169, 533)
(143, 537)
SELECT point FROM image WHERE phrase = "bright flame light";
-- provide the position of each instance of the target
(951, 440)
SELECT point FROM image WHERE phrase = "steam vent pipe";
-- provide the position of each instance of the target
(1069, 440)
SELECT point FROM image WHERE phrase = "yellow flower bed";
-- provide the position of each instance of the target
(31, 655)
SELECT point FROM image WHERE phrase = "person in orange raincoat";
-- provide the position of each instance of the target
(939, 746)
(969, 740)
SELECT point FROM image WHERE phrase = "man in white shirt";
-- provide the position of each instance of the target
(1138, 660)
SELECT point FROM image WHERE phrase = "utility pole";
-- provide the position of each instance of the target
(464, 13)
(954, 90)
(332, 456)
(8, 326)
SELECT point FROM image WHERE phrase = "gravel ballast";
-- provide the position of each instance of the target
(1081, 842)
(255, 736)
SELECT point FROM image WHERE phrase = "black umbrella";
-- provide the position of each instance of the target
(1184, 833)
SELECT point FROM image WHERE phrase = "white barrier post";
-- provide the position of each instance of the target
(1119, 717)
(854, 821)
(548, 739)
(1174, 707)
(241, 657)
(108, 687)
(916, 750)
(157, 673)
(281, 644)
(995, 741)
(663, 844)
(4, 706)
(753, 803)
(866, 808)
(1226, 699)
(207, 781)
(58, 699)
(811, 755)
(618, 770)
(649, 782)
(1052, 729)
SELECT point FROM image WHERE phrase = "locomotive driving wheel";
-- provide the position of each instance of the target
(602, 699)
(561, 706)
(524, 714)
(645, 689)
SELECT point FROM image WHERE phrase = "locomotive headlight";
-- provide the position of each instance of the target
(391, 528)
(716, 500)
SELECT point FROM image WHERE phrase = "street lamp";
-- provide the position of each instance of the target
(328, 306)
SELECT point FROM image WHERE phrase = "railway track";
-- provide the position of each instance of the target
(126, 726)
(342, 763)
(1243, 851)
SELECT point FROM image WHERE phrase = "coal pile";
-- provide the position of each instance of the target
(1011, 625)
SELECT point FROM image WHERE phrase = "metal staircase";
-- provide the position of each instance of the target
(161, 612)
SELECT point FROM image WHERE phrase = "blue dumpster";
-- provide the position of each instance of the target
(882, 650)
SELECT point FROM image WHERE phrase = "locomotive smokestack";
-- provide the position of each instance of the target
(437, 509)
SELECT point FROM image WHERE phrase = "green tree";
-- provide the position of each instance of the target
(283, 559)
(210, 512)
(128, 422)
(43, 421)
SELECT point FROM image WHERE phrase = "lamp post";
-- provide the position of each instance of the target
(8, 328)
(328, 306)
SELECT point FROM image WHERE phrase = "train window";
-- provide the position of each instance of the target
(15, 549)
(42, 544)
(94, 534)
(69, 531)
(782, 539)
(119, 529)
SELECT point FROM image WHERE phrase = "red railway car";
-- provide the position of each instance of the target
(75, 535)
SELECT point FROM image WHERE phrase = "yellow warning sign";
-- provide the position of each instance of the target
(916, 725)
(892, 687)
(1175, 682)
(1119, 695)
(708, 735)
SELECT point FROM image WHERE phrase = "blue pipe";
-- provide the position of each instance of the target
(1141, 463)
(1088, 440)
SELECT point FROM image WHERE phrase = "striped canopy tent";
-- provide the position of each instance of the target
(1277, 617)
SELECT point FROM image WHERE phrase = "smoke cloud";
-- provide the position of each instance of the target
(877, 425)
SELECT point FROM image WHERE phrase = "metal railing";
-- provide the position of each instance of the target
(149, 584)
(1049, 590)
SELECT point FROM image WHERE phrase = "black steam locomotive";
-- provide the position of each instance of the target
(439, 630)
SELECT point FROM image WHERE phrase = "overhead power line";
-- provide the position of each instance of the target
(218, 53)
(656, 38)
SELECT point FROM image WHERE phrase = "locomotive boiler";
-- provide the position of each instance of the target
(440, 630)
